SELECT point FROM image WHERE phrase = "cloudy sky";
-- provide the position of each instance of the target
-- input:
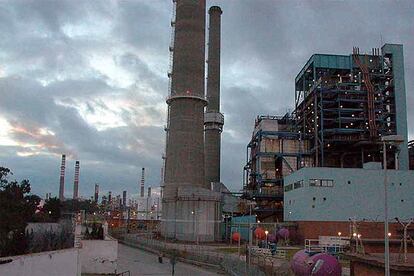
(89, 78)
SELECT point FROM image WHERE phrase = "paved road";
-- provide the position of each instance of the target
(140, 262)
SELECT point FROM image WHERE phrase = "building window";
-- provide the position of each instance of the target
(349, 182)
(314, 182)
(298, 184)
(314, 198)
(327, 183)
(321, 182)
(288, 188)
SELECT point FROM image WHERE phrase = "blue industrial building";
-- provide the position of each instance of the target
(344, 106)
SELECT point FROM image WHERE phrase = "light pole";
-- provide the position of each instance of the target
(396, 140)
(266, 232)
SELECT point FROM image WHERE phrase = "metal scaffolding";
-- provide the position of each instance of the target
(343, 105)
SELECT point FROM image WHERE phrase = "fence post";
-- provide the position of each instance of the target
(272, 267)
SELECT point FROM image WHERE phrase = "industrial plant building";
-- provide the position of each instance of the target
(323, 161)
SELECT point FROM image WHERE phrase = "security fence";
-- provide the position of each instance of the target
(196, 253)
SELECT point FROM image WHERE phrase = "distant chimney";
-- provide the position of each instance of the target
(62, 178)
(124, 195)
(142, 182)
(162, 177)
(109, 197)
(76, 182)
(149, 191)
(97, 193)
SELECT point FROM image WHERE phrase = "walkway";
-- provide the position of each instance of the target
(140, 262)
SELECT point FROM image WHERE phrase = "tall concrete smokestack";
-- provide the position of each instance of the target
(185, 193)
(142, 182)
(76, 182)
(185, 151)
(110, 197)
(96, 193)
(213, 119)
(62, 178)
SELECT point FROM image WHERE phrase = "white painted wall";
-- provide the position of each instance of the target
(99, 256)
(356, 193)
(51, 263)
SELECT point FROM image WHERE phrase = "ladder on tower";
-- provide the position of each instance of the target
(171, 49)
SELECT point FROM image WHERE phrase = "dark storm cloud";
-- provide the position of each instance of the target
(136, 65)
(47, 81)
(128, 146)
(144, 24)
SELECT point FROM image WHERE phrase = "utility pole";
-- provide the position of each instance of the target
(396, 140)
(386, 241)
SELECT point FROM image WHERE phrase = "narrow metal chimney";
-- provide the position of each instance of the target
(62, 178)
(96, 193)
(109, 197)
(149, 191)
(76, 182)
(142, 182)
(213, 119)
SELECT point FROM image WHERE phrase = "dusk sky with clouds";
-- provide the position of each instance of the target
(89, 79)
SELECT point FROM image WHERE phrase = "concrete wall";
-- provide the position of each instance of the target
(355, 193)
(59, 262)
(41, 227)
(192, 220)
(373, 265)
(99, 256)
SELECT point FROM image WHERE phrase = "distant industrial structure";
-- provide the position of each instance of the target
(147, 207)
(142, 182)
(322, 162)
(191, 209)
(76, 181)
(96, 197)
(62, 178)
(124, 199)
